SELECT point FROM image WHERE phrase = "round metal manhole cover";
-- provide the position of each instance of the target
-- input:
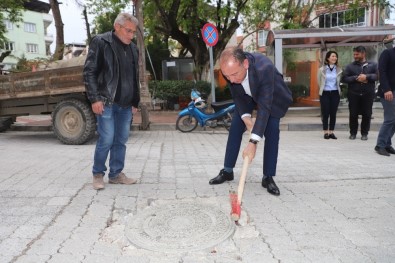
(179, 227)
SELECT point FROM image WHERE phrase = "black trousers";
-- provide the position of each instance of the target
(360, 104)
(329, 103)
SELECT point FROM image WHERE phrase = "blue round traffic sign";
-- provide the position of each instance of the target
(210, 34)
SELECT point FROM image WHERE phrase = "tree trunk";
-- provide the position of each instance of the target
(88, 29)
(58, 55)
(145, 98)
(4, 55)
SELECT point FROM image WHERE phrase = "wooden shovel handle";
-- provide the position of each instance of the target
(242, 180)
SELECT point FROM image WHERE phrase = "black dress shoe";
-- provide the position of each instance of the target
(381, 151)
(222, 177)
(326, 136)
(332, 136)
(352, 137)
(271, 186)
(390, 149)
(364, 137)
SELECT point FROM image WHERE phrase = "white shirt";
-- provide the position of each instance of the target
(331, 78)
(246, 86)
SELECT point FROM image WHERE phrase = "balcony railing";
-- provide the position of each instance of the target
(49, 38)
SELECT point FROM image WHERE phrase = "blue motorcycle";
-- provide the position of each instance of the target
(189, 118)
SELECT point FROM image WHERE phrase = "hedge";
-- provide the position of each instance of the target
(170, 89)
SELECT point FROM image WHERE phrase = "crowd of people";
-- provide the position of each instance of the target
(111, 78)
(360, 76)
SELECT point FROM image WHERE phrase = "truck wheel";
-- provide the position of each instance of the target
(73, 121)
(5, 123)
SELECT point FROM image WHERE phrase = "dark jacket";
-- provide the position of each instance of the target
(101, 70)
(270, 94)
(352, 71)
(387, 71)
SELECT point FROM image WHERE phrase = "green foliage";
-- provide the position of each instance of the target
(104, 22)
(256, 12)
(158, 51)
(105, 12)
(10, 10)
(98, 7)
(182, 21)
(190, 15)
(170, 89)
(26, 65)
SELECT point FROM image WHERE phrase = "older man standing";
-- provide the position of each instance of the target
(111, 81)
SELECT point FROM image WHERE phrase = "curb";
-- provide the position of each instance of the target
(172, 127)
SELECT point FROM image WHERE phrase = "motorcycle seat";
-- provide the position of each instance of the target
(221, 104)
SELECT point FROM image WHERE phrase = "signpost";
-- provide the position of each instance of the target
(210, 37)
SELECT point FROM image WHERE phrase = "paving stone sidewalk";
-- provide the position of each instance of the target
(336, 204)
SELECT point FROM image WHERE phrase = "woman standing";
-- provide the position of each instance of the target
(329, 82)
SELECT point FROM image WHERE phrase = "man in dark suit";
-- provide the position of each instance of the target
(386, 92)
(254, 84)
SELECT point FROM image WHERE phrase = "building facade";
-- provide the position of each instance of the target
(368, 14)
(29, 38)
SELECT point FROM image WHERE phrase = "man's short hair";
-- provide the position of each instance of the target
(359, 49)
(233, 52)
(123, 17)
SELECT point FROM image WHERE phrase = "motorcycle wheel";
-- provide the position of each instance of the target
(186, 123)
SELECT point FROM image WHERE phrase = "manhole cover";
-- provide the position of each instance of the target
(179, 227)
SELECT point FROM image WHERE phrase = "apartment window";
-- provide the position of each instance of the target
(347, 18)
(341, 20)
(31, 48)
(262, 36)
(30, 27)
(8, 25)
(10, 46)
